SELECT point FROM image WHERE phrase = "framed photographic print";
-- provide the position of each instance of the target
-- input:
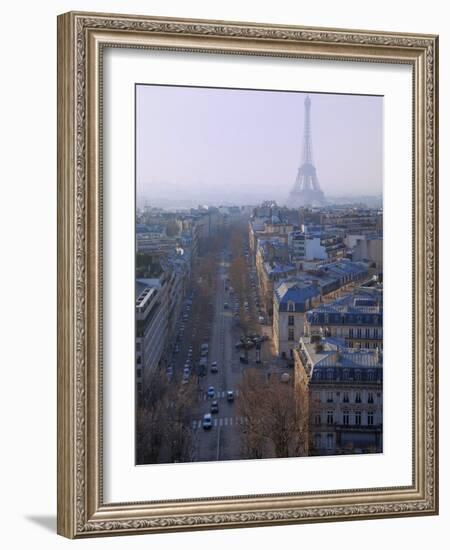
(247, 288)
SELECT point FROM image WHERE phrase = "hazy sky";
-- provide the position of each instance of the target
(213, 145)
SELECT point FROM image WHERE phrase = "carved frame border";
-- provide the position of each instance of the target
(81, 37)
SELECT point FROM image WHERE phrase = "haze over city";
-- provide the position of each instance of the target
(227, 146)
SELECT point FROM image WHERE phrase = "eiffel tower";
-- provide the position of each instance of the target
(306, 191)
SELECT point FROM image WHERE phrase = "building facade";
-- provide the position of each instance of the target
(345, 395)
(152, 329)
(355, 319)
(292, 299)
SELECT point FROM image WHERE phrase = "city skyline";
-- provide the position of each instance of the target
(215, 145)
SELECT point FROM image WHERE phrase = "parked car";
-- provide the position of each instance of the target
(225, 305)
(207, 421)
(211, 391)
(230, 395)
(214, 367)
(215, 407)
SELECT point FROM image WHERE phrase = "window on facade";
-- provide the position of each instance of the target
(345, 398)
(330, 417)
(359, 319)
(345, 374)
(291, 334)
(370, 375)
(329, 441)
(370, 397)
(370, 418)
(358, 397)
(317, 441)
(138, 346)
(350, 333)
(291, 306)
(367, 333)
(358, 418)
(139, 360)
(291, 320)
(316, 396)
(317, 420)
(329, 397)
(358, 333)
(346, 418)
(375, 333)
(358, 375)
(330, 374)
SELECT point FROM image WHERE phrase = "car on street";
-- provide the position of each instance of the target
(225, 305)
(215, 407)
(207, 421)
(230, 395)
(186, 370)
(214, 367)
(211, 391)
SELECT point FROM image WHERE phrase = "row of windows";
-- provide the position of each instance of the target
(331, 397)
(367, 345)
(328, 440)
(355, 417)
(343, 319)
(359, 333)
(357, 374)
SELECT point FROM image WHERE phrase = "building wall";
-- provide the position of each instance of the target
(314, 249)
(369, 249)
(330, 432)
(286, 335)
(344, 416)
(151, 336)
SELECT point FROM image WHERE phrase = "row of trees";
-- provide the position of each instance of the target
(162, 429)
(239, 277)
(277, 419)
(163, 433)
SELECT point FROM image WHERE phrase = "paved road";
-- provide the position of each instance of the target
(222, 441)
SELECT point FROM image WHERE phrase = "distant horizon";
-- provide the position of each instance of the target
(205, 144)
(141, 202)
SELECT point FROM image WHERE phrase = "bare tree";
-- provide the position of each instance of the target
(277, 419)
(253, 440)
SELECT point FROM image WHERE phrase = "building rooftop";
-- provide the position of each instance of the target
(277, 268)
(297, 293)
(326, 359)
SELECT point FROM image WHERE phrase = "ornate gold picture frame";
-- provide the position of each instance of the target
(82, 39)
